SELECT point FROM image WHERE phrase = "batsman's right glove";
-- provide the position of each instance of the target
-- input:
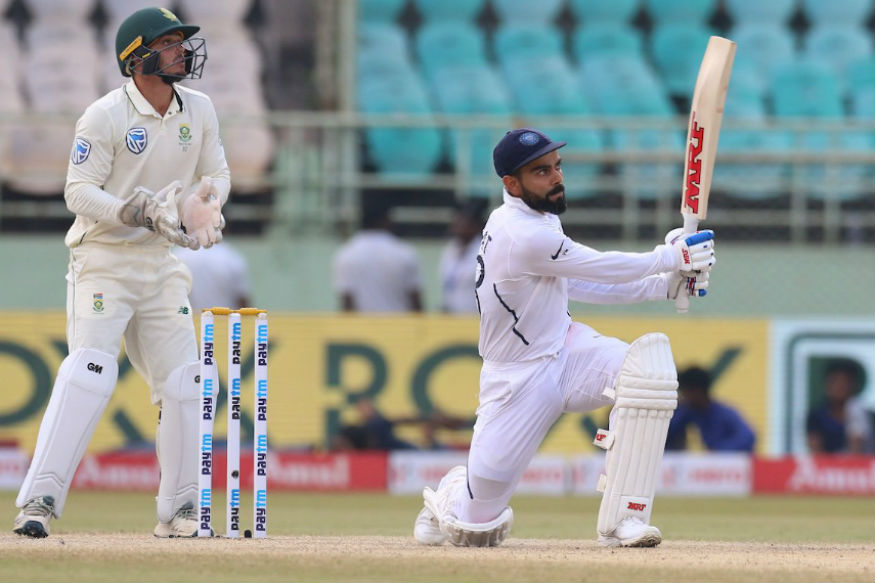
(695, 251)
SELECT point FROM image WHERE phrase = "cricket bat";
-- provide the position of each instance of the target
(706, 113)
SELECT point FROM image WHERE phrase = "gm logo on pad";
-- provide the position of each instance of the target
(137, 140)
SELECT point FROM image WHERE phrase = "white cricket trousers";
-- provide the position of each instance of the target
(519, 402)
(137, 293)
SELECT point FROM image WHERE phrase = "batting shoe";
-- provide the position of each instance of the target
(33, 520)
(184, 524)
(632, 532)
(427, 530)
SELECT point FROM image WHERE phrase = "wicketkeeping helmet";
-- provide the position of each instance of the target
(142, 27)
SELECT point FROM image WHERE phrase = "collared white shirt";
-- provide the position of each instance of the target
(378, 270)
(528, 269)
(122, 143)
(458, 268)
(219, 276)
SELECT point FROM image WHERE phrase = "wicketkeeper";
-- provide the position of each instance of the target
(147, 171)
(538, 363)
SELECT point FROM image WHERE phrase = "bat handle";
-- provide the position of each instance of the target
(682, 302)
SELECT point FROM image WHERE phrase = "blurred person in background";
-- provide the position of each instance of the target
(538, 363)
(375, 271)
(458, 264)
(219, 277)
(376, 431)
(721, 427)
(839, 423)
(147, 171)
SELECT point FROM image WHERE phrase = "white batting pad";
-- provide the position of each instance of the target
(177, 439)
(83, 386)
(645, 399)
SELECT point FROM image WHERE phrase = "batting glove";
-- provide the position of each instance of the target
(695, 251)
(692, 285)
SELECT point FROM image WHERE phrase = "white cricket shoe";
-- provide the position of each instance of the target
(427, 530)
(184, 524)
(632, 532)
(438, 503)
(33, 520)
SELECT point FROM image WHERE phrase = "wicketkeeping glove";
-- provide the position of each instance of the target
(695, 250)
(157, 212)
(202, 213)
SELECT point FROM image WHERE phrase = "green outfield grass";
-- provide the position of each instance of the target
(545, 530)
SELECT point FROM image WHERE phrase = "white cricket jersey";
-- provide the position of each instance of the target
(379, 270)
(528, 269)
(122, 143)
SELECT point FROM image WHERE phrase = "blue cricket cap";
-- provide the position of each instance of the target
(519, 147)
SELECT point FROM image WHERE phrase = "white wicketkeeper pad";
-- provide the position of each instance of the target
(85, 381)
(645, 397)
(177, 438)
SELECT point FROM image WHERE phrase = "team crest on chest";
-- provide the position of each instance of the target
(184, 133)
(137, 140)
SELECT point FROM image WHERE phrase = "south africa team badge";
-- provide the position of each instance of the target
(97, 304)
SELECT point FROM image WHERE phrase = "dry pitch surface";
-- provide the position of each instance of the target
(126, 557)
(368, 537)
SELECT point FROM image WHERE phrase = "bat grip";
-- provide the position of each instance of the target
(682, 302)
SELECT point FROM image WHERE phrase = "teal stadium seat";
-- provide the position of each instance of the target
(472, 90)
(449, 10)
(444, 44)
(384, 39)
(838, 45)
(541, 12)
(850, 13)
(761, 45)
(390, 86)
(773, 11)
(610, 38)
(680, 11)
(860, 73)
(618, 11)
(523, 41)
(811, 89)
(379, 10)
(546, 87)
(860, 79)
(622, 86)
(805, 88)
(677, 51)
(745, 104)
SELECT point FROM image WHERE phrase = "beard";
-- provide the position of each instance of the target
(556, 207)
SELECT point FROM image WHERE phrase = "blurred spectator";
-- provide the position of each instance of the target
(459, 259)
(377, 432)
(375, 271)
(219, 277)
(839, 423)
(722, 428)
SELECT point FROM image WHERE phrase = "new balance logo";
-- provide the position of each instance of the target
(637, 506)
